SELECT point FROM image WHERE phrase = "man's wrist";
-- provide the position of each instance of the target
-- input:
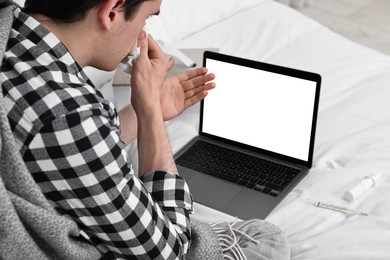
(154, 149)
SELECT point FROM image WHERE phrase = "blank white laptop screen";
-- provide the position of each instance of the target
(259, 108)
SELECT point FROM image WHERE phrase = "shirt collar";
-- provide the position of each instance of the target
(35, 32)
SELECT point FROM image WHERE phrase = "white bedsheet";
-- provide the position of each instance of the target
(353, 131)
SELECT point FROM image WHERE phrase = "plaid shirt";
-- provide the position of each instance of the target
(69, 138)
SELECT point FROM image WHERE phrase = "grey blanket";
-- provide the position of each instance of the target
(30, 228)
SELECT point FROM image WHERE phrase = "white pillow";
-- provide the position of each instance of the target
(20, 2)
(180, 18)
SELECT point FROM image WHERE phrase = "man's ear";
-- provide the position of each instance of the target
(108, 12)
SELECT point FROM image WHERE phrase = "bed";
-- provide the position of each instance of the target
(353, 129)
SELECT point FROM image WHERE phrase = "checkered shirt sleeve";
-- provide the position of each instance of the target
(69, 139)
(80, 164)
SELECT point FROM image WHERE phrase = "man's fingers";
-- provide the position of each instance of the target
(195, 91)
(198, 81)
(195, 99)
(143, 42)
(155, 52)
(191, 74)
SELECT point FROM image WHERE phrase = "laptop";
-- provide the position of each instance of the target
(256, 136)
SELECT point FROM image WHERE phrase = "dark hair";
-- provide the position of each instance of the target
(69, 11)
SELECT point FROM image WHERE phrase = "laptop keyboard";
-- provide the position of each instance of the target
(246, 170)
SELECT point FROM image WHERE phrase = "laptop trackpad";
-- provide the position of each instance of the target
(211, 191)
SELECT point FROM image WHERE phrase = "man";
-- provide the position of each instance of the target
(71, 138)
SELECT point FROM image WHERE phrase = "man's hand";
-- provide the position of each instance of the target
(149, 71)
(184, 90)
(156, 98)
(148, 74)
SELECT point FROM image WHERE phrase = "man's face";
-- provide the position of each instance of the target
(124, 34)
